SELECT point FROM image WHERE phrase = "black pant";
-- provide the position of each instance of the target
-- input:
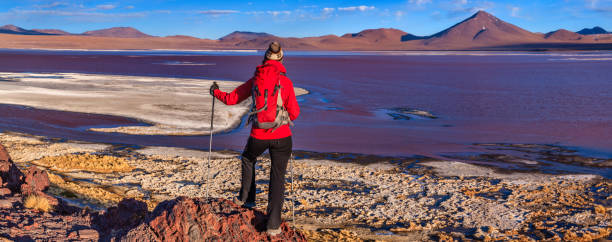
(280, 151)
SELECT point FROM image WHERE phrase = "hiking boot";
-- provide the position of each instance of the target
(274, 232)
(244, 204)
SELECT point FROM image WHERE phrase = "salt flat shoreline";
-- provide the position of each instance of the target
(417, 199)
(171, 106)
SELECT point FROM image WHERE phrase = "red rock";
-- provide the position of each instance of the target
(52, 224)
(9, 173)
(73, 235)
(126, 215)
(5, 191)
(35, 182)
(53, 201)
(199, 219)
(88, 234)
(4, 155)
(6, 204)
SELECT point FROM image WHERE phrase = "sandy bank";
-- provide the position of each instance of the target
(413, 200)
(172, 106)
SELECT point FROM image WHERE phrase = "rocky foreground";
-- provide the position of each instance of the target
(335, 196)
(179, 219)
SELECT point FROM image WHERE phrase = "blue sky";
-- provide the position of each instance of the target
(299, 18)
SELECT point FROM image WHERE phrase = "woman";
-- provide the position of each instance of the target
(277, 139)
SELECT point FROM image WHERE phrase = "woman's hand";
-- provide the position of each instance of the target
(213, 87)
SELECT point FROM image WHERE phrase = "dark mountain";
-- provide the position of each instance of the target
(12, 29)
(409, 37)
(594, 30)
(120, 32)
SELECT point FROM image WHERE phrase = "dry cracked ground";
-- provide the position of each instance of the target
(363, 198)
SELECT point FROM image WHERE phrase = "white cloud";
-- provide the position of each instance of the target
(514, 11)
(602, 6)
(399, 14)
(328, 10)
(106, 6)
(459, 10)
(254, 12)
(218, 12)
(272, 13)
(420, 2)
(592, 3)
(52, 5)
(277, 13)
(361, 8)
(78, 13)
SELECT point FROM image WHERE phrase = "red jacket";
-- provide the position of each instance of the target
(244, 91)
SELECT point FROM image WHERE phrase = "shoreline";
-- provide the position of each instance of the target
(367, 197)
(476, 52)
(502, 157)
(135, 50)
(168, 106)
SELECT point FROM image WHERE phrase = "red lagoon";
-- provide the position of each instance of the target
(390, 103)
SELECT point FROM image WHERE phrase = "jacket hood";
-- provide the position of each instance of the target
(276, 64)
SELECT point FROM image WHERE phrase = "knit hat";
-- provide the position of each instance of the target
(274, 52)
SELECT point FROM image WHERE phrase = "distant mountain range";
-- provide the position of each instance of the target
(120, 32)
(12, 29)
(481, 31)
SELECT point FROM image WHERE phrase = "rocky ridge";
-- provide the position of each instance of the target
(216, 219)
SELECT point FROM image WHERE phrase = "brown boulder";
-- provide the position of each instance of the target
(10, 176)
(36, 181)
(201, 219)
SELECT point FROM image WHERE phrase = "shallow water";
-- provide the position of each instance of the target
(477, 97)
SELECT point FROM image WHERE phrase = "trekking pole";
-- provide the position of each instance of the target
(212, 117)
(292, 195)
(292, 191)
